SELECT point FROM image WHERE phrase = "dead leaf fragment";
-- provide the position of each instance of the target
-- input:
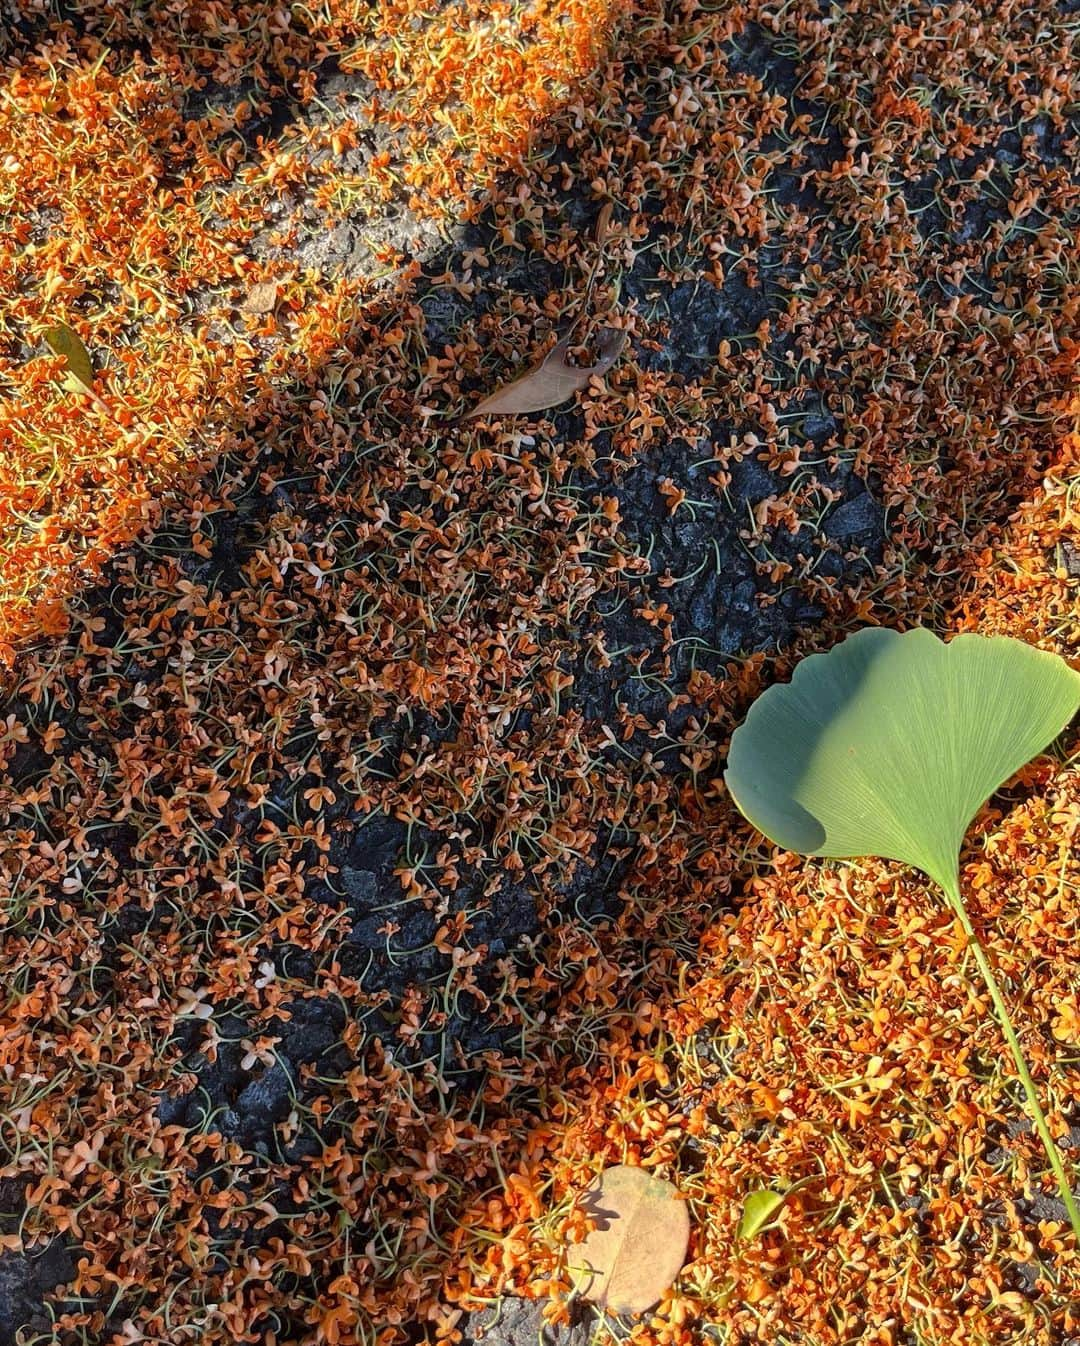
(552, 381)
(603, 223)
(63, 340)
(638, 1245)
(262, 297)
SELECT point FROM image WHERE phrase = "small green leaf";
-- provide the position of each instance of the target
(62, 340)
(758, 1210)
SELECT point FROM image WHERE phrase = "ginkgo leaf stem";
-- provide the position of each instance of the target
(1038, 1117)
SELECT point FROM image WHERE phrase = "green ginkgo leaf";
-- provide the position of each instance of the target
(65, 341)
(889, 745)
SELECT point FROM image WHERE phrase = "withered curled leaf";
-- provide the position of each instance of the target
(553, 381)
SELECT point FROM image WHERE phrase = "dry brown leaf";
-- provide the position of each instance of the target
(638, 1245)
(553, 380)
(262, 297)
(603, 223)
